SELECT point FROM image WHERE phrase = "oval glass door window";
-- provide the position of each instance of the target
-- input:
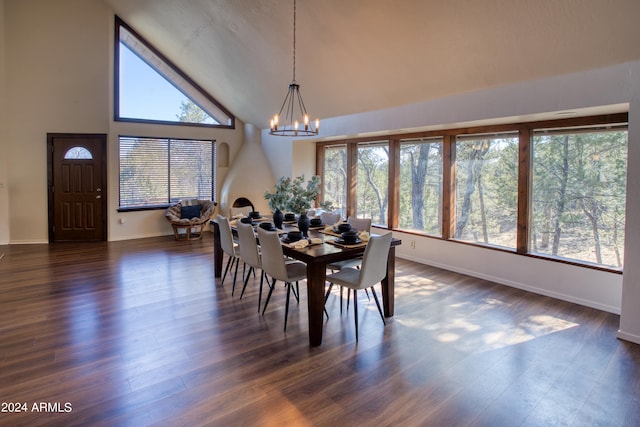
(78, 153)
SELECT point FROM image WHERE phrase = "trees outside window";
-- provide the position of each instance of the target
(579, 188)
(487, 189)
(372, 182)
(554, 189)
(334, 180)
(421, 185)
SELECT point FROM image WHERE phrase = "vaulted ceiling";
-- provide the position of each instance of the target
(361, 55)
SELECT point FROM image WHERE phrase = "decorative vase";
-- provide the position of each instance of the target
(303, 224)
(278, 217)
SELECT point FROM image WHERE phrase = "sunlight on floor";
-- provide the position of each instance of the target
(491, 325)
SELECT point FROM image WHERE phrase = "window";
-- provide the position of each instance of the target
(149, 88)
(421, 185)
(372, 181)
(334, 184)
(78, 153)
(579, 188)
(155, 172)
(487, 189)
(554, 189)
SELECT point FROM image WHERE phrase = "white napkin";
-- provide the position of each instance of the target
(364, 236)
(300, 244)
(315, 241)
(328, 228)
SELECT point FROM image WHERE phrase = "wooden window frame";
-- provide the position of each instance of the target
(525, 132)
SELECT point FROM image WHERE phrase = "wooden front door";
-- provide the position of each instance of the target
(77, 187)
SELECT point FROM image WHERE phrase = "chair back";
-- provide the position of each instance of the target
(329, 218)
(273, 262)
(374, 261)
(248, 246)
(226, 236)
(360, 224)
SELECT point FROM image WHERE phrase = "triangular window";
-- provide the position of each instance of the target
(149, 88)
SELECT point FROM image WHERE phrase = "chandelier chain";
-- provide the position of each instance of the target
(294, 41)
(289, 122)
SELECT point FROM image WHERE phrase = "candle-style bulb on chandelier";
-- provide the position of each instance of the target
(293, 119)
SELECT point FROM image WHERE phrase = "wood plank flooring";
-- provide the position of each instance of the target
(138, 333)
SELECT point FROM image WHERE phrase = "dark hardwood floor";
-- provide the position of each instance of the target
(138, 333)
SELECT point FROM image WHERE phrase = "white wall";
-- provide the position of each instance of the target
(58, 62)
(57, 76)
(617, 86)
(4, 193)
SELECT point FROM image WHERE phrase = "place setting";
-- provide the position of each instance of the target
(346, 235)
(294, 239)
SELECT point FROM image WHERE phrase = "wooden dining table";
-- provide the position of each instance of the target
(317, 257)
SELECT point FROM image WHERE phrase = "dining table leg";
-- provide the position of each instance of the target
(217, 250)
(316, 276)
(388, 284)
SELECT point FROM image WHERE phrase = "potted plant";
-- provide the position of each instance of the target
(296, 196)
(302, 198)
(278, 199)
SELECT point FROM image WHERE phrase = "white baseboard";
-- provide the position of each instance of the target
(517, 285)
(628, 337)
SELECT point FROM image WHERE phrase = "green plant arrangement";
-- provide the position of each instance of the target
(280, 196)
(303, 196)
(294, 195)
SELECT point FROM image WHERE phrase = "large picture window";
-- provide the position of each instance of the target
(156, 172)
(372, 181)
(487, 189)
(334, 184)
(579, 188)
(150, 88)
(552, 189)
(421, 185)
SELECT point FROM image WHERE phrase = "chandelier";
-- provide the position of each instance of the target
(293, 119)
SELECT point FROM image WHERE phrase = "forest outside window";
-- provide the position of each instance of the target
(487, 189)
(334, 184)
(579, 188)
(421, 185)
(372, 182)
(553, 189)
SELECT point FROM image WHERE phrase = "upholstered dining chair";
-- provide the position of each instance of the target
(277, 267)
(372, 271)
(329, 218)
(360, 224)
(250, 253)
(230, 248)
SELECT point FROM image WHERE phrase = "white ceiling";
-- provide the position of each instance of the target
(361, 55)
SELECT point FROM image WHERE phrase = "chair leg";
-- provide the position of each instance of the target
(326, 295)
(235, 276)
(266, 303)
(296, 292)
(375, 297)
(355, 311)
(246, 280)
(260, 295)
(286, 310)
(229, 262)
